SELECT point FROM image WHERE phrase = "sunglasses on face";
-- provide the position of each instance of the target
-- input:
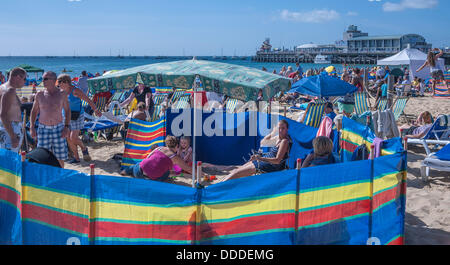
(45, 79)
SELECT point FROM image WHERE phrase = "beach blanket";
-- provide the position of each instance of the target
(141, 136)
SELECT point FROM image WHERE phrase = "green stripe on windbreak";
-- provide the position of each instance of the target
(10, 188)
(332, 204)
(158, 240)
(339, 185)
(328, 222)
(395, 238)
(55, 209)
(172, 205)
(55, 227)
(251, 198)
(141, 222)
(10, 204)
(246, 216)
(9, 171)
(56, 190)
(247, 234)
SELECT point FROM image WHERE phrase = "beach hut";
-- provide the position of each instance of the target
(413, 58)
(235, 81)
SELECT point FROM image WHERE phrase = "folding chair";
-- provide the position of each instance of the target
(313, 114)
(101, 102)
(176, 95)
(182, 103)
(156, 113)
(399, 107)
(439, 161)
(231, 105)
(382, 104)
(158, 99)
(361, 105)
(439, 134)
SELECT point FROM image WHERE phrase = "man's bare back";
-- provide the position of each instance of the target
(50, 106)
(10, 101)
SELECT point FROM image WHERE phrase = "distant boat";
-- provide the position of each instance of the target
(322, 59)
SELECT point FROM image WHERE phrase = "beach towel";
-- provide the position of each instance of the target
(325, 127)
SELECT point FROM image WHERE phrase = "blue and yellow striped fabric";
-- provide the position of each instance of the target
(182, 103)
(231, 105)
(313, 114)
(382, 104)
(158, 99)
(399, 107)
(361, 105)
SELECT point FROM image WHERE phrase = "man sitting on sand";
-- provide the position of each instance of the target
(11, 134)
(52, 129)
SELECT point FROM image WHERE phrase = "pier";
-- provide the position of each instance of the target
(337, 57)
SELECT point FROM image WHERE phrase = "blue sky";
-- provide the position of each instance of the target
(197, 27)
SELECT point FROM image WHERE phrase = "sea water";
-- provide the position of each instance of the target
(75, 65)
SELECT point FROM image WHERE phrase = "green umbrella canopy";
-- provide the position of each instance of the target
(397, 72)
(29, 69)
(235, 81)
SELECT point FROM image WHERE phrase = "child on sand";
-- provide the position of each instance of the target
(185, 150)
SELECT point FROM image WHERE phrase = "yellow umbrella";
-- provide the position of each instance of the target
(330, 69)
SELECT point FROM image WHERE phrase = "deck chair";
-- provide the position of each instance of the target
(313, 115)
(406, 90)
(361, 104)
(100, 103)
(439, 161)
(231, 105)
(156, 113)
(399, 107)
(158, 99)
(439, 134)
(182, 103)
(382, 104)
(176, 95)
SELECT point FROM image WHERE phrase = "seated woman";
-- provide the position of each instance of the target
(420, 128)
(275, 160)
(159, 162)
(323, 153)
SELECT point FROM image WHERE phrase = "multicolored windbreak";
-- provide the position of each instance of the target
(236, 81)
(352, 203)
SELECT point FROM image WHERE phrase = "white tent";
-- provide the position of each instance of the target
(414, 59)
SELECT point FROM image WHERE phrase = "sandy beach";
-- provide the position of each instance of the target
(427, 205)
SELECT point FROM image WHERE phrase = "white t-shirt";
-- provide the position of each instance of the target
(213, 96)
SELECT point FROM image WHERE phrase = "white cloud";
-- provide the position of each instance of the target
(74, 0)
(314, 16)
(352, 14)
(413, 4)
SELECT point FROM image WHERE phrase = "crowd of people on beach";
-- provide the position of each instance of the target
(56, 117)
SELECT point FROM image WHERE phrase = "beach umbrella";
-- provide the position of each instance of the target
(235, 81)
(396, 72)
(330, 69)
(323, 85)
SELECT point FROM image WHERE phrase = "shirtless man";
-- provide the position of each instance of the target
(52, 129)
(11, 134)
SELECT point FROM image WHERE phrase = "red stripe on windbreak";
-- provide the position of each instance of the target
(335, 212)
(348, 146)
(55, 218)
(156, 231)
(141, 138)
(141, 157)
(10, 196)
(147, 134)
(388, 195)
(398, 241)
(247, 224)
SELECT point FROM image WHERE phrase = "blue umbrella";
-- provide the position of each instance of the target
(323, 85)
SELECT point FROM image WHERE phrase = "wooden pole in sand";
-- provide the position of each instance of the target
(23, 154)
(199, 170)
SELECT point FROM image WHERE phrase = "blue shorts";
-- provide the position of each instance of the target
(136, 172)
(264, 167)
(78, 124)
(49, 137)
